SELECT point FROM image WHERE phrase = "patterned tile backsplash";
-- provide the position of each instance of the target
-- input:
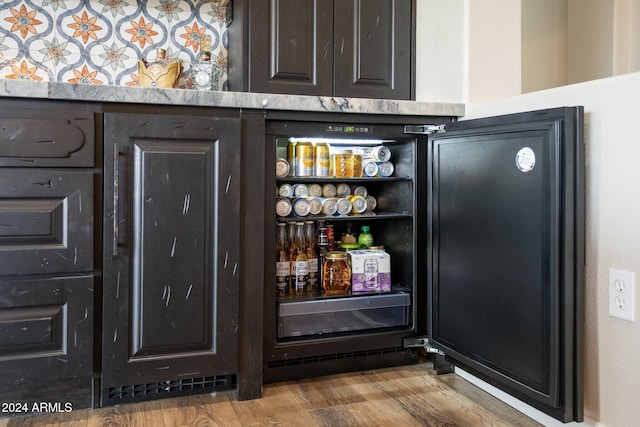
(100, 41)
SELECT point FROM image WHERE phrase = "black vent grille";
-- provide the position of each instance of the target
(335, 357)
(170, 388)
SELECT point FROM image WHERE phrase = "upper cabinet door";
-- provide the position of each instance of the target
(506, 234)
(373, 49)
(291, 47)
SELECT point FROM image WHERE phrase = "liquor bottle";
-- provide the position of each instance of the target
(331, 241)
(323, 249)
(300, 264)
(201, 72)
(312, 256)
(283, 268)
(159, 73)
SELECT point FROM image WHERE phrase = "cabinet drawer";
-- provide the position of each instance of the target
(46, 221)
(43, 138)
(46, 339)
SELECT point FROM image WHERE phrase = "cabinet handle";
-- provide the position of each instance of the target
(116, 197)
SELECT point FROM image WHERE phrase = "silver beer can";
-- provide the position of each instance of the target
(301, 206)
(385, 169)
(283, 207)
(343, 190)
(359, 190)
(344, 206)
(285, 190)
(315, 190)
(300, 190)
(381, 153)
(329, 190)
(370, 169)
(282, 168)
(371, 203)
(329, 206)
(315, 205)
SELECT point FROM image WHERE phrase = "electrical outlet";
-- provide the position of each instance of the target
(622, 294)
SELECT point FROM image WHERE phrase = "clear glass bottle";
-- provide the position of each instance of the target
(323, 249)
(312, 256)
(300, 275)
(283, 268)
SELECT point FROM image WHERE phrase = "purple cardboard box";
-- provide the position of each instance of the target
(370, 271)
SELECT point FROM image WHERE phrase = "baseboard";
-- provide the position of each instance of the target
(518, 405)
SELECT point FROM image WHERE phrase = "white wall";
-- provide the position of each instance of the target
(441, 64)
(612, 347)
(467, 51)
(590, 39)
(544, 44)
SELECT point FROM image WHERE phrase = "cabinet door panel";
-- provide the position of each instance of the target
(37, 138)
(291, 47)
(171, 219)
(373, 49)
(46, 220)
(171, 252)
(46, 339)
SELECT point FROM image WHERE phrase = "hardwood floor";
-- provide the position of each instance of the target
(404, 396)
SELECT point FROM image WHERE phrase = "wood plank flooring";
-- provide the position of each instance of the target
(404, 396)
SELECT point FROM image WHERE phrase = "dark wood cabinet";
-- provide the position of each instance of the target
(373, 49)
(46, 340)
(171, 249)
(46, 255)
(355, 48)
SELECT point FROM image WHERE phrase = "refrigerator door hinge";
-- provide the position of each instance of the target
(422, 342)
(424, 129)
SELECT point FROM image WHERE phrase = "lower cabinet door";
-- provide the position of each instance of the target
(46, 221)
(46, 343)
(170, 298)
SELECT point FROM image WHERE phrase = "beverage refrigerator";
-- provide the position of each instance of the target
(483, 224)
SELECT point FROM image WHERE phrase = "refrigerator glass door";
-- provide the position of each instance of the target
(506, 253)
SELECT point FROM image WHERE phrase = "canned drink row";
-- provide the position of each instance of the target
(305, 159)
(365, 168)
(317, 190)
(327, 206)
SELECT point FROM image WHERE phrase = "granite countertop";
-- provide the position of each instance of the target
(136, 95)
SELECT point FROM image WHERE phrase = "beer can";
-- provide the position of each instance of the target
(291, 158)
(304, 159)
(371, 203)
(285, 190)
(343, 190)
(315, 205)
(282, 168)
(315, 190)
(321, 159)
(385, 169)
(329, 206)
(344, 206)
(283, 207)
(381, 153)
(329, 190)
(370, 169)
(300, 190)
(359, 190)
(358, 204)
(301, 206)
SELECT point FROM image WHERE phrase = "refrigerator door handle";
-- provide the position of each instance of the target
(424, 129)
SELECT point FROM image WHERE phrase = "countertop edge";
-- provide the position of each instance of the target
(242, 100)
